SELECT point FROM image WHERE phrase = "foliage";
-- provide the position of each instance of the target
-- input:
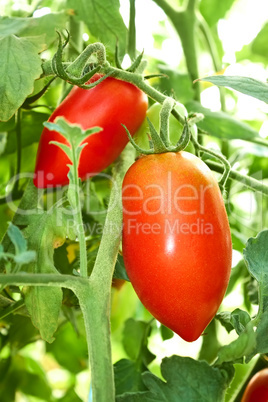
(58, 257)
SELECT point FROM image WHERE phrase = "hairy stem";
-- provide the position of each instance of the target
(96, 304)
(247, 181)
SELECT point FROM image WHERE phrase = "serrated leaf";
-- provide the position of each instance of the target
(98, 14)
(237, 319)
(20, 66)
(64, 147)
(185, 380)
(44, 303)
(222, 125)
(246, 85)
(45, 25)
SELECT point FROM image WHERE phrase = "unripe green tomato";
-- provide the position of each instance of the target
(175, 127)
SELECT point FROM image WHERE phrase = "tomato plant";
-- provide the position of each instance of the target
(257, 388)
(108, 105)
(61, 256)
(176, 240)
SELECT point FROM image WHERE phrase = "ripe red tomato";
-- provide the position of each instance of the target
(176, 240)
(257, 388)
(108, 105)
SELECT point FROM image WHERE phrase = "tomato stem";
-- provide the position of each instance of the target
(132, 30)
(165, 111)
(224, 161)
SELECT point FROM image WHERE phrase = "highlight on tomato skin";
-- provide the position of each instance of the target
(176, 240)
(257, 388)
(108, 105)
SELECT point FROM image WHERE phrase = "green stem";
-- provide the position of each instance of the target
(65, 281)
(217, 66)
(18, 136)
(184, 22)
(247, 181)
(96, 305)
(213, 52)
(78, 218)
(132, 31)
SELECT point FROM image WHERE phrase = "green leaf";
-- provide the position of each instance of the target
(17, 238)
(120, 270)
(244, 345)
(25, 257)
(224, 318)
(256, 257)
(166, 333)
(44, 303)
(239, 320)
(185, 380)
(20, 66)
(72, 132)
(45, 230)
(257, 50)
(67, 339)
(246, 85)
(104, 21)
(213, 10)
(45, 25)
(127, 376)
(262, 330)
(222, 125)
(12, 26)
(70, 396)
(259, 45)
(135, 339)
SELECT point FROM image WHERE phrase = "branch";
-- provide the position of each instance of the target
(249, 182)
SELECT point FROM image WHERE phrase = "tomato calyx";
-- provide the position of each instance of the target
(160, 143)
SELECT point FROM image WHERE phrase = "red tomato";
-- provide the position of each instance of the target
(108, 105)
(257, 388)
(176, 240)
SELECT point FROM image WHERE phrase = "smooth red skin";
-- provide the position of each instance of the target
(257, 388)
(182, 286)
(108, 105)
